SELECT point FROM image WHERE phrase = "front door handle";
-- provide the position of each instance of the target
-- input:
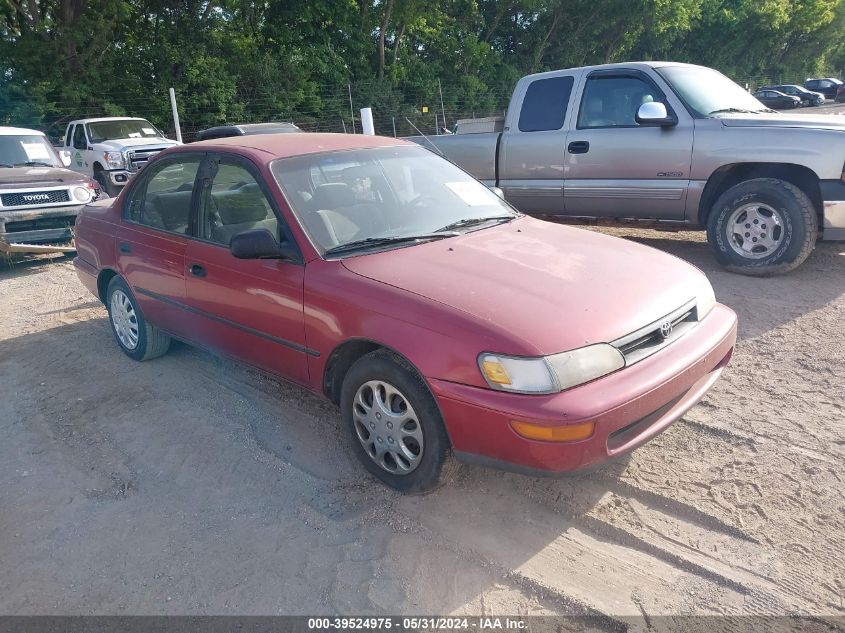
(578, 147)
(123, 247)
(197, 271)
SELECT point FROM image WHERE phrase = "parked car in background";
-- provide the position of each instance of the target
(827, 86)
(381, 276)
(807, 97)
(245, 129)
(616, 141)
(840, 94)
(776, 99)
(111, 149)
(39, 197)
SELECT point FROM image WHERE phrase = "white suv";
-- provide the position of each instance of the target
(111, 149)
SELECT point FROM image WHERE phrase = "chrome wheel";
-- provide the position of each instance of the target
(123, 319)
(387, 427)
(755, 230)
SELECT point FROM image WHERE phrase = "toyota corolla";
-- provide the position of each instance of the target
(379, 275)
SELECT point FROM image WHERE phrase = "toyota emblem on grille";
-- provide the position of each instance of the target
(36, 197)
(666, 329)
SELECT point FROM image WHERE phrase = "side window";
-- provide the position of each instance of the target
(235, 203)
(544, 106)
(79, 141)
(163, 199)
(69, 136)
(613, 101)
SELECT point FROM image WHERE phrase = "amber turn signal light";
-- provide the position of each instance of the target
(567, 433)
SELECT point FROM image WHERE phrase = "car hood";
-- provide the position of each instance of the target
(28, 177)
(131, 143)
(818, 122)
(550, 287)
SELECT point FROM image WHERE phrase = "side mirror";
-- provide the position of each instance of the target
(498, 191)
(64, 155)
(654, 114)
(260, 244)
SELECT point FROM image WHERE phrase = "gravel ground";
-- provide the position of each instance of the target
(191, 485)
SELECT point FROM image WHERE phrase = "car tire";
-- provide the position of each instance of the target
(387, 407)
(139, 339)
(763, 226)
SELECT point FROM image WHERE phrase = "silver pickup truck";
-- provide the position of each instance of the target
(668, 143)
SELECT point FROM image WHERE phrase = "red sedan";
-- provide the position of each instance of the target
(379, 275)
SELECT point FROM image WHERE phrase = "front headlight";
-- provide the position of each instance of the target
(550, 374)
(82, 194)
(705, 300)
(114, 160)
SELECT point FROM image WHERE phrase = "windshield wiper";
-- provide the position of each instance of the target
(474, 221)
(381, 241)
(737, 110)
(33, 163)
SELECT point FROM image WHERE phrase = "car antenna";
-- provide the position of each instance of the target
(439, 151)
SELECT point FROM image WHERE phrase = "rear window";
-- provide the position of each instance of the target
(544, 106)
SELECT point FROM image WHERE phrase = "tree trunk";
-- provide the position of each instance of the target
(398, 41)
(388, 9)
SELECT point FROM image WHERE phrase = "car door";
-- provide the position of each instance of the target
(616, 167)
(79, 149)
(251, 309)
(152, 237)
(531, 151)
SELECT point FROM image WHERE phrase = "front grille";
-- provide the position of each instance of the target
(140, 157)
(41, 224)
(652, 338)
(30, 198)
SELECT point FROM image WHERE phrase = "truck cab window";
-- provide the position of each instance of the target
(614, 101)
(544, 106)
(79, 141)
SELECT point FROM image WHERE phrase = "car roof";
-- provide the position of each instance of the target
(289, 144)
(14, 131)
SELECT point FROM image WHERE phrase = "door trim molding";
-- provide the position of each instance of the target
(243, 328)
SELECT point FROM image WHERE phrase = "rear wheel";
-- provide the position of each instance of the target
(394, 424)
(763, 226)
(137, 338)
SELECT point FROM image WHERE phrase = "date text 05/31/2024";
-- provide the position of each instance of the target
(417, 623)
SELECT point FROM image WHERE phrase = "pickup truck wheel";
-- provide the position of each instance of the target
(106, 185)
(763, 226)
(137, 338)
(394, 424)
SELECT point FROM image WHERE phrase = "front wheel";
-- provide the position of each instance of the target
(106, 185)
(394, 424)
(137, 338)
(763, 226)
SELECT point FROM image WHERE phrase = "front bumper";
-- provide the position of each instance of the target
(833, 199)
(34, 227)
(119, 177)
(628, 407)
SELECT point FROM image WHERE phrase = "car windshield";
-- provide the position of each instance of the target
(383, 197)
(27, 150)
(121, 128)
(708, 92)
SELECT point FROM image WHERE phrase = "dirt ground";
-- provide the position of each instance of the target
(191, 485)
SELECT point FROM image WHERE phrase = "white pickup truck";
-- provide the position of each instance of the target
(110, 150)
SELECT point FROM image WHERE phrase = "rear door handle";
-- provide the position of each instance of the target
(123, 247)
(578, 147)
(197, 271)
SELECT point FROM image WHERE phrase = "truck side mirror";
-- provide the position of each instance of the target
(64, 155)
(654, 114)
